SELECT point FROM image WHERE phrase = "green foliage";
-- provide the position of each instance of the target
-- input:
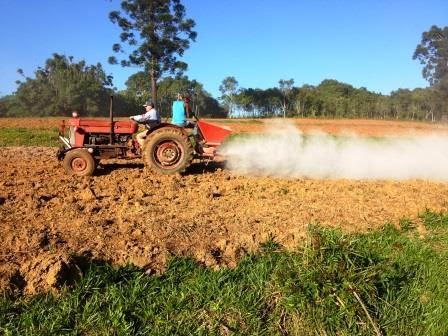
(29, 137)
(435, 221)
(432, 52)
(333, 99)
(158, 31)
(124, 105)
(6, 104)
(137, 87)
(228, 89)
(286, 87)
(387, 282)
(60, 87)
(202, 103)
(258, 103)
(372, 282)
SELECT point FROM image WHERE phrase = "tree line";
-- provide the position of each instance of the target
(333, 99)
(63, 86)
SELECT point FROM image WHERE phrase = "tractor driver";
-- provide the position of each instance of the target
(150, 119)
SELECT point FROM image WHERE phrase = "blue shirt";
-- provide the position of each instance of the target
(179, 117)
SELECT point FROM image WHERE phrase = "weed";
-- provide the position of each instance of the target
(433, 220)
(283, 191)
(407, 225)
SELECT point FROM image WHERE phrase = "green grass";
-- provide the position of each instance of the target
(389, 282)
(29, 137)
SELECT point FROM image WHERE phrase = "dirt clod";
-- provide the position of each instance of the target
(49, 271)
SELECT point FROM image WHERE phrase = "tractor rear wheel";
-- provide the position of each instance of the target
(79, 162)
(167, 151)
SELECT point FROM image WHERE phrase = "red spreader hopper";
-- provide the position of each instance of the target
(213, 136)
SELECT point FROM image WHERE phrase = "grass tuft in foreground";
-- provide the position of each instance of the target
(387, 282)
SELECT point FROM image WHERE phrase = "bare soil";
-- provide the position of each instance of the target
(358, 126)
(52, 224)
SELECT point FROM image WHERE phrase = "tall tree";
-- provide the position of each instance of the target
(229, 88)
(432, 52)
(159, 32)
(285, 88)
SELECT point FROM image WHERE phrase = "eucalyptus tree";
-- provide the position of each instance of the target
(432, 52)
(286, 88)
(229, 89)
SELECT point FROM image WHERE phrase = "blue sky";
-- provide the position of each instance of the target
(361, 42)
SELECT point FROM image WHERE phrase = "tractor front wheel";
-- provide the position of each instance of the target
(167, 151)
(79, 162)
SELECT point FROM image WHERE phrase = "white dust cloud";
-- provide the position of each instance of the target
(283, 151)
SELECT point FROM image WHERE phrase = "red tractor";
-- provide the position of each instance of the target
(168, 149)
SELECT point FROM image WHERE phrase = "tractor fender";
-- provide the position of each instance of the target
(163, 125)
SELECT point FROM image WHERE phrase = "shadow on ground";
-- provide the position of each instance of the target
(196, 168)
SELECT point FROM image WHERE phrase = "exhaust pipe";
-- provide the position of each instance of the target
(111, 116)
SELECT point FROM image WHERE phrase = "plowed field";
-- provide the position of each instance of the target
(52, 224)
(355, 126)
